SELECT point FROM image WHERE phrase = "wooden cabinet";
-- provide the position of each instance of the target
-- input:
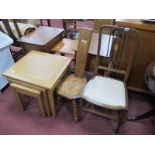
(145, 54)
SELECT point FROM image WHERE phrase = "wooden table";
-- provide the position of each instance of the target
(42, 39)
(39, 71)
(69, 46)
(66, 46)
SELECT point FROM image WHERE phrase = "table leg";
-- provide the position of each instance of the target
(40, 101)
(51, 102)
(19, 98)
(46, 103)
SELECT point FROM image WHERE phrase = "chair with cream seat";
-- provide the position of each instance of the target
(106, 91)
(73, 84)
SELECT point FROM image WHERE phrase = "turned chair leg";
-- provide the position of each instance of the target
(75, 110)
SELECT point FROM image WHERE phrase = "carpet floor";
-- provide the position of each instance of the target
(13, 120)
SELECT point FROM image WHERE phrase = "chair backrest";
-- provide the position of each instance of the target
(82, 51)
(121, 48)
(9, 31)
(99, 22)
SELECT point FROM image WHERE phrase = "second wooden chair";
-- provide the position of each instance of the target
(73, 84)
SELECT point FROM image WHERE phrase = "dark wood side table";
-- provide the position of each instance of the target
(42, 39)
(150, 82)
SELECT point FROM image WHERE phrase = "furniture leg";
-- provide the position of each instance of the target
(48, 21)
(40, 101)
(41, 22)
(75, 110)
(19, 98)
(51, 102)
(120, 119)
(75, 25)
(46, 104)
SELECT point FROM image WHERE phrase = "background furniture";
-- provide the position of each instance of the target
(90, 66)
(66, 23)
(6, 59)
(145, 53)
(39, 72)
(47, 20)
(15, 30)
(104, 90)
(42, 39)
(150, 82)
(18, 29)
(99, 22)
(66, 46)
(72, 85)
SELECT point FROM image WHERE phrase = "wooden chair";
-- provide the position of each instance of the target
(99, 22)
(47, 20)
(15, 30)
(104, 91)
(72, 85)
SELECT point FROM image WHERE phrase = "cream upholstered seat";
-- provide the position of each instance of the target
(106, 92)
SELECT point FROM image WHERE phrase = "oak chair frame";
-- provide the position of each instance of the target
(111, 66)
(81, 57)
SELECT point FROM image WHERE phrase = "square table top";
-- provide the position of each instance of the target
(42, 35)
(39, 69)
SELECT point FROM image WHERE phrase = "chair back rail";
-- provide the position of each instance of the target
(17, 28)
(1, 29)
(8, 29)
(82, 51)
(120, 39)
(81, 59)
